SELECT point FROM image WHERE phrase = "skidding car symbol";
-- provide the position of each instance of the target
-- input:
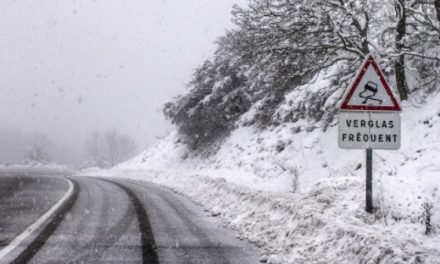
(370, 90)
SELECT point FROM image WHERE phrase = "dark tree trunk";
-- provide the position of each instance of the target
(399, 64)
(364, 34)
(437, 9)
(402, 86)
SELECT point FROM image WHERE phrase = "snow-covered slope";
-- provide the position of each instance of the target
(275, 158)
(249, 179)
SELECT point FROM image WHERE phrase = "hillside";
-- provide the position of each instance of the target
(256, 133)
(249, 181)
(280, 159)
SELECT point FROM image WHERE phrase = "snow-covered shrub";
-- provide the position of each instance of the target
(216, 99)
(427, 216)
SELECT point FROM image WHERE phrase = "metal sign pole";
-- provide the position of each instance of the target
(369, 118)
(369, 184)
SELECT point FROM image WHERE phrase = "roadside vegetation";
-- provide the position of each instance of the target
(259, 71)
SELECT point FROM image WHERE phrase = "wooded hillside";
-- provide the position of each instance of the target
(291, 60)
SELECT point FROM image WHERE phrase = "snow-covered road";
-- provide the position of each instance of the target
(115, 220)
(23, 199)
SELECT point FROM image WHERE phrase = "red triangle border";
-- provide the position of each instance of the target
(369, 61)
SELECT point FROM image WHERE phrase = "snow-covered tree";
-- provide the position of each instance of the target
(278, 47)
(217, 98)
(422, 46)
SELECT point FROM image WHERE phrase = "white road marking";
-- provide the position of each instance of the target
(42, 220)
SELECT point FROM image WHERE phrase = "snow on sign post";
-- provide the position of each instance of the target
(369, 118)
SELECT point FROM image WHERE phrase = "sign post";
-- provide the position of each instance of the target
(369, 183)
(369, 118)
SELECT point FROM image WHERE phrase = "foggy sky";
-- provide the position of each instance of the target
(70, 67)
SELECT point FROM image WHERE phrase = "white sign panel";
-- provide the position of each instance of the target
(375, 130)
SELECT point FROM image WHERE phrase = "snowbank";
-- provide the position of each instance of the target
(325, 225)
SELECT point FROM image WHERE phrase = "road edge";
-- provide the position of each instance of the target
(21, 244)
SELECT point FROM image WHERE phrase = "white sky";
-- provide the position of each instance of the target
(70, 67)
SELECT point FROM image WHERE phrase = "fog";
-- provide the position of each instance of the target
(71, 67)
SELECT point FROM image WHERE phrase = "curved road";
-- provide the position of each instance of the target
(121, 221)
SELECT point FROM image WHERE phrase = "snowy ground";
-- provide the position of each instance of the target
(250, 181)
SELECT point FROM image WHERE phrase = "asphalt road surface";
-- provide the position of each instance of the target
(110, 221)
(23, 199)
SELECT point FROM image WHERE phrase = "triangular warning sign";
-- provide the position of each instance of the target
(370, 91)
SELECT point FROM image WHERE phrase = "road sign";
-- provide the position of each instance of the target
(369, 118)
(369, 130)
(370, 91)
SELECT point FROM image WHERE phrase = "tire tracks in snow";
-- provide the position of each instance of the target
(149, 254)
